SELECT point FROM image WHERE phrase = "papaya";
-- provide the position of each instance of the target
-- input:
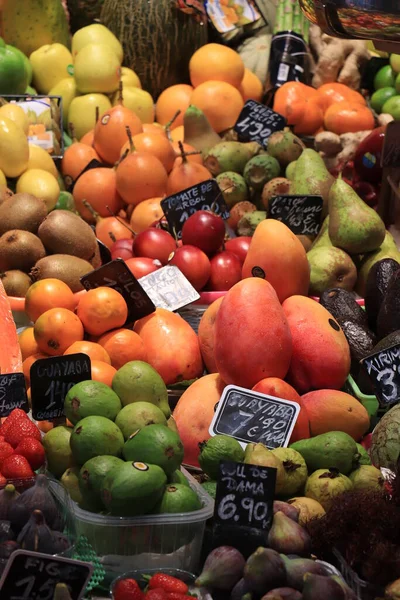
(171, 345)
(321, 354)
(277, 255)
(332, 410)
(273, 386)
(194, 412)
(206, 333)
(252, 336)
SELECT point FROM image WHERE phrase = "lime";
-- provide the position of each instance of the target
(392, 107)
(217, 448)
(178, 498)
(379, 97)
(395, 62)
(384, 78)
(397, 83)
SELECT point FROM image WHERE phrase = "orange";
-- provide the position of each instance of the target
(178, 134)
(93, 350)
(102, 309)
(26, 366)
(27, 343)
(220, 102)
(45, 426)
(102, 372)
(155, 144)
(215, 62)
(98, 188)
(123, 345)
(330, 93)
(174, 98)
(146, 213)
(348, 117)
(251, 87)
(56, 329)
(46, 294)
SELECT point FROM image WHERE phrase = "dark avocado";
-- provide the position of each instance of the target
(376, 287)
(387, 342)
(343, 306)
(389, 313)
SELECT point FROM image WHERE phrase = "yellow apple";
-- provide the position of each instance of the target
(129, 78)
(50, 64)
(41, 184)
(66, 88)
(139, 101)
(16, 114)
(82, 112)
(96, 34)
(3, 180)
(40, 159)
(97, 69)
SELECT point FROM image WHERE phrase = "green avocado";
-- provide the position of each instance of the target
(91, 478)
(334, 449)
(157, 445)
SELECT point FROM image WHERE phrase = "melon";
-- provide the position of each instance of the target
(385, 446)
(83, 13)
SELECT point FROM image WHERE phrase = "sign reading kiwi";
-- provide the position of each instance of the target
(12, 393)
(383, 368)
(302, 214)
(51, 380)
(117, 275)
(256, 123)
(168, 288)
(34, 576)
(253, 417)
(203, 196)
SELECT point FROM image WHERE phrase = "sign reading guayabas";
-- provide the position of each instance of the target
(12, 393)
(256, 123)
(302, 214)
(168, 288)
(383, 368)
(253, 417)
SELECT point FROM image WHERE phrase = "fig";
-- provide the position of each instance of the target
(222, 569)
(296, 568)
(290, 511)
(295, 468)
(8, 495)
(348, 592)
(392, 591)
(318, 587)
(367, 477)
(264, 570)
(36, 535)
(324, 484)
(61, 542)
(288, 537)
(241, 589)
(285, 593)
(37, 497)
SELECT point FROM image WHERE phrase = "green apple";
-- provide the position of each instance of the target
(28, 66)
(96, 34)
(13, 74)
(379, 98)
(384, 78)
(66, 88)
(82, 112)
(50, 65)
(395, 62)
(97, 70)
(139, 101)
(2, 43)
(392, 107)
(129, 78)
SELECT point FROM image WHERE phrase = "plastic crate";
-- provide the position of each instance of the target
(362, 589)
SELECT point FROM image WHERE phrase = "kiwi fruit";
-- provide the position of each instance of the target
(16, 283)
(5, 193)
(63, 232)
(20, 250)
(96, 260)
(22, 211)
(68, 269)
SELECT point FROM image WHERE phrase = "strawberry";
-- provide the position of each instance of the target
(168, 583)
(2, 438)
(176, 596)
(18, 430)
(5, 450)
(156, 594)
(33, 451)
(15, 415)
(16, 467)
(127, 589)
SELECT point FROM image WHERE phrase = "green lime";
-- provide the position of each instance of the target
(397, 83)
(395, 62)
(392, 107)
(379, 98)
(65, 202)
(178, 477)
(384, 78)
(178, 498)
(217, 448)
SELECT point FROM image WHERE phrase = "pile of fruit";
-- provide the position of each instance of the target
(385, 99)
(157, 587)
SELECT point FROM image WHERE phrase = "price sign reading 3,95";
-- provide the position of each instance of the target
(256, 123)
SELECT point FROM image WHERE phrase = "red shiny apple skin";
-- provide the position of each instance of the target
(367, 159)
(122, 249)
(194, 264)
(154, 243)
(140, 266)
(205, 230)
(239, 246)
(226, 270)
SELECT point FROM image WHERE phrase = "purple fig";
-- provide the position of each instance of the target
(285, 593)
(296, 568)
(222, 570)
(288, 537)
(240, 590)
(290, 511)
(392, 591)
(348, 592)
(8, 495)
(318, 587)
(264, 570)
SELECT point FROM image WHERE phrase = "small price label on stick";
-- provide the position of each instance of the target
(34, 576)
(12, 393)
(203, 196)
(51, 380)
(256, 123)
(391, 148)
(117, 275)
(302, 214)
(168, 288)
(252, 417)
(383, 369)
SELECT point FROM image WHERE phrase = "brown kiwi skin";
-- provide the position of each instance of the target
(16, 283)
(22, 211)
(96, 260)
(20, 250)
(68, 269)
(63, 232)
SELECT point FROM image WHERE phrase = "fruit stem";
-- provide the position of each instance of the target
(130, 139)
(112, 236)
(97, 114)
(94, 213)
(167, 126)
(120, 220)
(72, 132)
(120, 93)
(182, 152)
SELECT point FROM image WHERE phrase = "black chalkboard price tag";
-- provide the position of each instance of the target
(168, 288)
(256, 123)
(105, 253)
(302, 214)
(51, 379)
(390, 157)
(12, 393)
(253, 417)
(383, 368)
(203, 196)
(117, 275)
(34, 576)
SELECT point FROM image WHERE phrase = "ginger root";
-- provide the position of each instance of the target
(346, 145)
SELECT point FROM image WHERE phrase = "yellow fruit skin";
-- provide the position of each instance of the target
(82, 112)
(17, 114)
(97, 70)
(139, 101)
(66, 88)
(129, 78)
(3, 180)
(49, 65)
(96, 34)
(40, 159)
(41, 184)
(309, 509)
(14, 149)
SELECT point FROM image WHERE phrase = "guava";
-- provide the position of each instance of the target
(95, 436)
(178, 498)
(91, 398)
(56, 443)
(217, 448)
(91, 479)
(258, 454)
(70, 481)
(309, 508)
(156, 445)
(137, 415)
(137, 381)
(296, 472)
(325, 484)
(367, 477)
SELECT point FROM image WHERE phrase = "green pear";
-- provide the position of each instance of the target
(312, 177)
(323, 238)
(330, 267)
(97, 69)
(198, 131)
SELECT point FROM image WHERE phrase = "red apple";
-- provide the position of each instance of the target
(122, 249)
(154, 243)
(205, 230)
(193, 263)
(226, 270)
(239, 246)
(140, 266)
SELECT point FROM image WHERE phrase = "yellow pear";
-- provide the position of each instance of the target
(82, 112)
(3, 180)
(66, 88)
(40, 159)
(14, 149)
(50, 64)
(309, 508)
(41, 184)
(96, 34)
(139, 101)
(12, 111)
(129, 78)
(97, 69)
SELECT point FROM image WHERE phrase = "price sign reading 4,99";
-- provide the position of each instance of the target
(383, 368)
(256, 123)
(245, 495)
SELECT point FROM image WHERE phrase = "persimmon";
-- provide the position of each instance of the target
(146, 213)
(102, 372)
(92, 349)
(186, 175)
(140, 176)
(191, 154)
(154, 144)
(46, 294)
(97, 187)
(76, 158)
(56, 329)
(251, 86)
(173, 98)
(218, 63)
(27, 343)
(101, 310)
(330, 93)
(299, 103)
(122, 346)
(110, 229)
(28, 362)
(348, 117)
(110, 132)
(221, 102)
